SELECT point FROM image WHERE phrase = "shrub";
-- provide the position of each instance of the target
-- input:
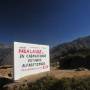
(51, 83)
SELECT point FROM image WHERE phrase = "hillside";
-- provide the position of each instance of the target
(80, 43)
(73, 59)
(6, 55)
(73, 54)
(80, 46)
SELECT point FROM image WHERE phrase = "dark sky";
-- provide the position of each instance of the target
(44, 21)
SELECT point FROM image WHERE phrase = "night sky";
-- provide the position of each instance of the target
(44, 21)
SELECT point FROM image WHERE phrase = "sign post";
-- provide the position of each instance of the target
(30, 59)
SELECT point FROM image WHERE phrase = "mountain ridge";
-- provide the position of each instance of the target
(82, 43)
(79, 43)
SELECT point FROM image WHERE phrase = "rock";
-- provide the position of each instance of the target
(81, 69)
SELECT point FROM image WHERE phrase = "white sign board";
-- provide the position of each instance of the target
(30, 59)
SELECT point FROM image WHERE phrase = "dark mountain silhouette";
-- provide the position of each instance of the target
(79, 48)
(6, 54)
(73, 54)
(78, 44)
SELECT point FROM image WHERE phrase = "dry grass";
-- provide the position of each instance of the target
(54, 72)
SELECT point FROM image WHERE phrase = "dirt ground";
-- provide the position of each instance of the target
(8, 73)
